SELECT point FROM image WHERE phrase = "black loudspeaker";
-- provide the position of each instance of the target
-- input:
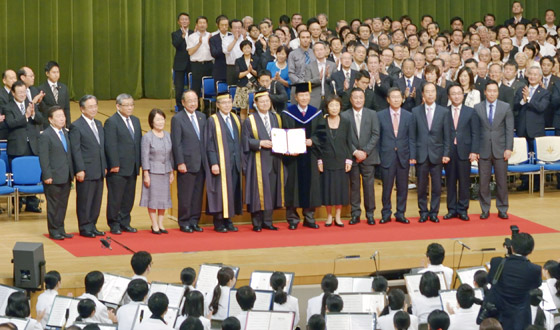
(29, 265)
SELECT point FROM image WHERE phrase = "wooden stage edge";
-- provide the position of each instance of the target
(309, 263)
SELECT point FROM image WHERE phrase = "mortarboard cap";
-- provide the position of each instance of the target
(223, 95)
(303, 87)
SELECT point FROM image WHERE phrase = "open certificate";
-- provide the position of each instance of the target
(288, 141)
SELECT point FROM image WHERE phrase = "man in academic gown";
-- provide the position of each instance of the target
(264, 174)
(223, 178)
(303, 188)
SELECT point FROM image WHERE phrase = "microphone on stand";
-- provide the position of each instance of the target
(106, 244)
(463, 244)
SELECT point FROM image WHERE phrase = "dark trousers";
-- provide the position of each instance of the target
(366, 173)
(292, 215)
(120, 199)
(199, 70)
(57, 202)
(261, 217)
(231, 75)
(458, 174)
(88, 203)
(389, 175)
(500, 174)
(190, 189)
(424, 172)
(219, 220)
(179, 82)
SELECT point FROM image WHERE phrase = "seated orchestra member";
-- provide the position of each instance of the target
(246, 298)
(157, 304)
(217, 302)
(436, 254)
(428, 300)
(315, 305)
(137, 291)
(282, 300)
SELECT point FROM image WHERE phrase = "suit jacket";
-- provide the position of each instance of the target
(530, 116)
(157, 161)
(379, 100)
(339, 78)
(278, 96)
(5, 97)
(511, 293)
(506, 95)
(55, 162)
(188, 149)
(393, 71)
(480, 84)
(181, 61)
(554, 105)
(312, 75)
(511, 21)
(410, 102)
(264, 59)
(4, 100)
(396, 149)
(435, 143)
(121, 149)
(441, 95)
(467, 132)
(49, 101)
(87, 154)
(21, 129)
(241, 66)
(219, 69)
(495, 139)
(369, 135)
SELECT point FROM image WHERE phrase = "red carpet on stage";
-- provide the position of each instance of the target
(209, 240)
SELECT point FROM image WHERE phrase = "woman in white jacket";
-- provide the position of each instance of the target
(465, 78)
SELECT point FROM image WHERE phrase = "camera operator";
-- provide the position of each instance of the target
(512, 278)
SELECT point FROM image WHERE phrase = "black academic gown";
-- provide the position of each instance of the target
(303, 185)
(261, 196)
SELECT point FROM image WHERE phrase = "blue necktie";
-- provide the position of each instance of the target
(193, 121)
(408, 83)
(228, 123)
(63, 140)
(129, 127)
(491, 114)
(306, 57)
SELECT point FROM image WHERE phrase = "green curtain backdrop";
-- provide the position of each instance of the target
(108, 47)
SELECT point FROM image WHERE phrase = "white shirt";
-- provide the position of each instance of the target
(301, 109)
(242, 317)
(314, 306)
(547, 49)
(422, 306)
(52, 84)
(126, 119)
(294, 43)
(322, 67)
(464, 319)
(126, 315)
(44, 303)
(235, 52)
(550, 29)
(33, 324)
(58, 132)
(202, 54)
(291, 305)
(101, 313)
(181, 318)
(223, 303)
(447, 272)
(551, 282)
(524, 41)
(153, 324)
(548, 324)
(385, 322)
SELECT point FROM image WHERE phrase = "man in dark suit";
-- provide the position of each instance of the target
(181, 62)
(409, 85)
(123, 136)
(379, 84)
(517, 11)
(23, 123)
(531, 103)
(433, 145)
(365, 155)
(397, 148)
(26, 75)
(90, 165)
(515, 276)
(507, 95)
(465, 137)
(319, 72)
(57, 173)
(345, 77)
(552, 84)
(219, 69)
(9, 77)
(496, 146)
(189, 153)
(56, 93)
(276, 91)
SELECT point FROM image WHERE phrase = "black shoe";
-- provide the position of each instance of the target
(370, 220)
(221, 230)
(464, 217)
(354, 220)
(197, 228)
(385, 220)
(116, 231)
(423, 219)
(503, 215)
(157, 232)
(339, 224)
(328, 224)
(87, 234)
(269, 227)
(292, 226)
(484, 215)
(257, 229)
(57, 237)
(434, 218)
(163, 231)
(450, 215)
(68, 235)
(232, 228)
(34, 209)
(402, 220)
(311, 225)
(186, 229)
(98, 232)
(129, 229)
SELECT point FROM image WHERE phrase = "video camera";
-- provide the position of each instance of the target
(507, 241)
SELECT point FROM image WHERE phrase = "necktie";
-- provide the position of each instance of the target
(429, 117)
(545, 82)
(55, 92)
(195, 125)
(303, 113)
(531, 91)
(95, 132)
(396, 123)
(347, 75)
(63, 140)
(358, 122)
(491, 114)
(228, 123)
(22, 109)
(306, 53)
(408, 84)
(129, 125)
(267, 124)
(520, 74)
(455, 121)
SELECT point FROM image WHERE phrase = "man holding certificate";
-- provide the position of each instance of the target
(264, 174)
(303, 187)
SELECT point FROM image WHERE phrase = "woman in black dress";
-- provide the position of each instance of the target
(336, 161)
